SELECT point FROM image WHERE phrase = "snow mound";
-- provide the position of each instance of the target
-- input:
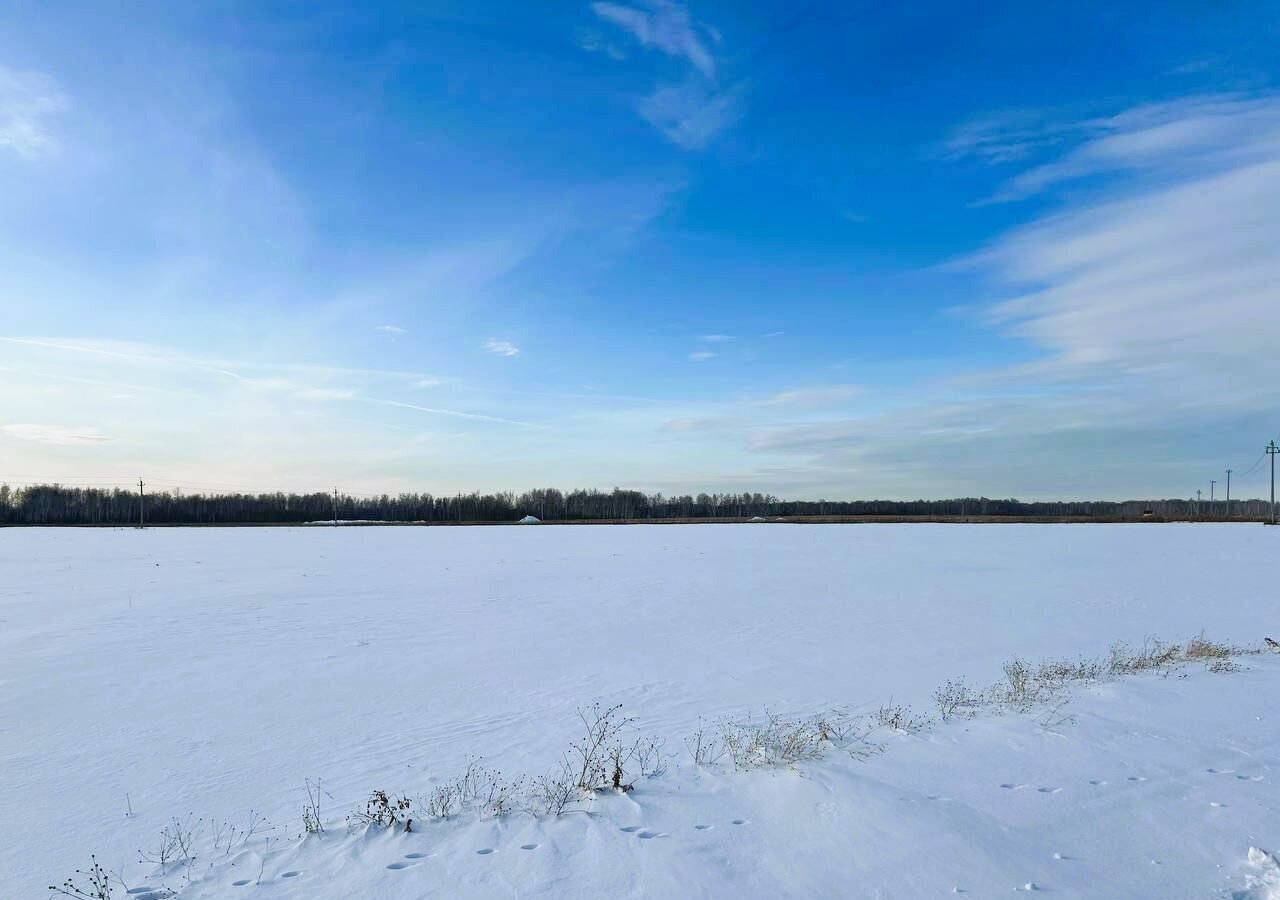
(759, 519)
(1264, 882)
(530, 520)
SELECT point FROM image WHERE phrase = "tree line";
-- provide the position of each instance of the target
(54, 504)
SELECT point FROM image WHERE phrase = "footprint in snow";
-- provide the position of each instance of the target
(1250, 777)
(1049, 790)
(630, 829)
(415, 856)
(485, 852)
(1221, 771)
(528, 846)
(739, 821)
(241, 883)
(703, 827)
(1136, 778)
(291, 874)
(1097, 782)
(1010, 786)
(397, 866)
(650, 835)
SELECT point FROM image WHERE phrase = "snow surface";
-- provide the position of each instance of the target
(210, 671)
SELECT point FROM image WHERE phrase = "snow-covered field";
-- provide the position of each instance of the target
(210, 671)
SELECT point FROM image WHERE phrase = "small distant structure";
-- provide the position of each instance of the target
(530, 520)
(1148, 513)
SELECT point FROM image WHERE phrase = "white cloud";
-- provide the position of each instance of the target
(1188, 136)
(691, 114)
(501, 348)
(428, 382)
(701, 356)
(391, 329)
(53, 434)
(715, 338)
(1152, 309)
(28, 101)
(323, 394)
(811, 397)
(666, 26)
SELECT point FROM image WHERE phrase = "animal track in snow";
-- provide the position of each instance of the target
(1136, 778)
(739, 821)
(630, 829)
(703, 827)
(241, 883)
(1010, 786)
(290, 874)
(484, 852)
(1048, 790)
(650, 835)
(528, 846)
(1097, 782)
(415, 856)
(397, 866)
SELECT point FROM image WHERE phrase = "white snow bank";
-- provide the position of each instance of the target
(530, 520)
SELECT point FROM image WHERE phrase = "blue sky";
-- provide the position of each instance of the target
(839, 250)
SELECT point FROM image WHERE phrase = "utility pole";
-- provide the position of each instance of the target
(335, 507)
(142, 522)
(1228, 493)
(1272, 450)
(1211, 506)
(1197, 503)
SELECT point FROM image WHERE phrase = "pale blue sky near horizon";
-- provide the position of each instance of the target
(819, 250)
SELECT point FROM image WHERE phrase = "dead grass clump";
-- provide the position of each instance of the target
(900, 719)
(387, 811)
(956, 700)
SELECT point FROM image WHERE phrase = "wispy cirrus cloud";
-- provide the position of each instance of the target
(692, 111)
(1181, 136)
(701, 355)
(1150, 305)
(53, 434)
(665, 26)
(804, 398)
(29, 101)
(501, 348)
(391, 329)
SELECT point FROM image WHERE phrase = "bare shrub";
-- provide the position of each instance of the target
(703, 746)
(900, 719)
(87, 884)
(175, 844)
(591, 752)
(496, 796)
(956, 700)
(312, 823)
(603, 756)
(386, 810)
(556, 792)
(1224, 666)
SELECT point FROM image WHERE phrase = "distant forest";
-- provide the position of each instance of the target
(59, 505)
